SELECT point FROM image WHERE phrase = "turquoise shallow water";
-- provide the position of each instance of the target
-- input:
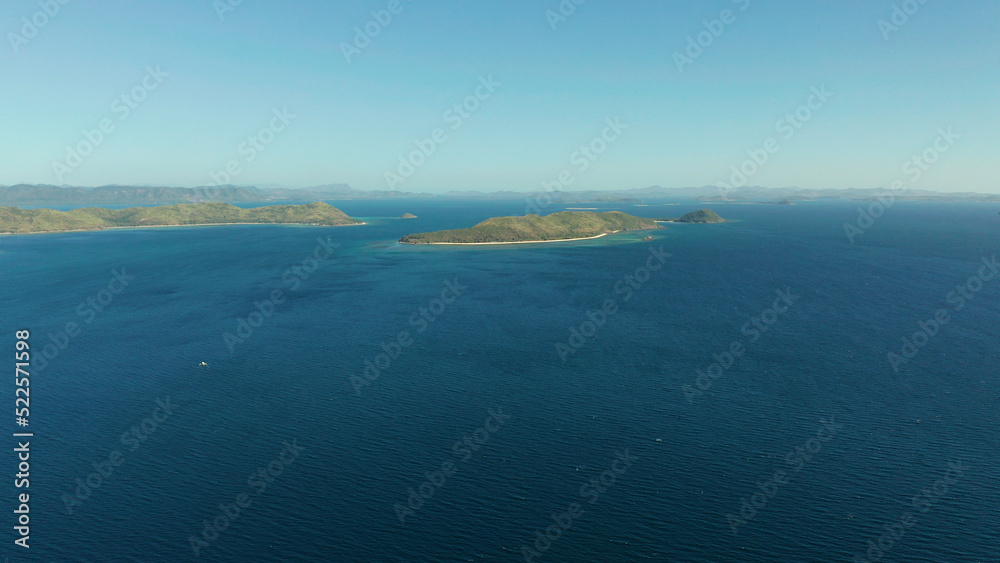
(493, 346)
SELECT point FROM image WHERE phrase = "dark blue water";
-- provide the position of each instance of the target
(355, 457)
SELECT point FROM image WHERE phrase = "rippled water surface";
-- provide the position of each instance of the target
(813, 394)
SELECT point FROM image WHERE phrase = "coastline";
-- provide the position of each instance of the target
(511, 242)
(165, 226)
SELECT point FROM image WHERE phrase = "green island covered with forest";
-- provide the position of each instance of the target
(700, 216)
(14, 220)
(566, 225)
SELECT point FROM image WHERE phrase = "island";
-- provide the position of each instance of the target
(700, 216)
(407, 216)
(563, 226)
(605, 199)
(14, 220)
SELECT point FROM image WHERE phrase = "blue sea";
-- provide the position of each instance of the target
(720, 393)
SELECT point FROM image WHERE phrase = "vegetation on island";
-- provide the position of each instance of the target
(700, 216)
(22, 221)
(566, 225)
(407, 216)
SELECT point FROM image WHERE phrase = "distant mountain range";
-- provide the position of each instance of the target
(28, 194)
(749, 194)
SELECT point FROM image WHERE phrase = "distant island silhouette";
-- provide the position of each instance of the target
(700, 216)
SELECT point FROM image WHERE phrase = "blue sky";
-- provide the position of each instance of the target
(558, 84)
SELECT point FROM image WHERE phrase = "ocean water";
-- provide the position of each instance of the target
(870, 438)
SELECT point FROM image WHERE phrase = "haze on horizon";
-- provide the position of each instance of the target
(303, 95)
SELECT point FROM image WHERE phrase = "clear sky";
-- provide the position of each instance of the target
(559, 81)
